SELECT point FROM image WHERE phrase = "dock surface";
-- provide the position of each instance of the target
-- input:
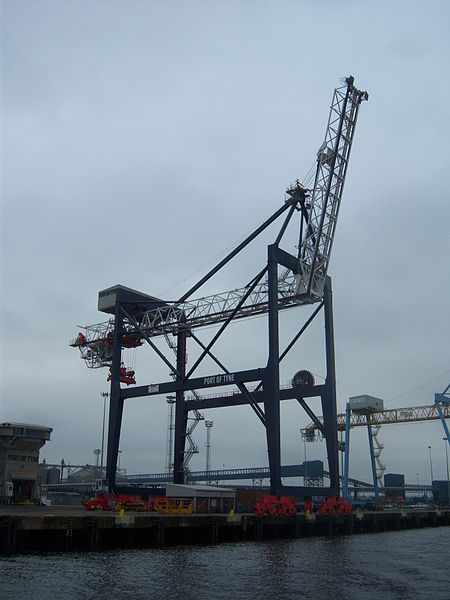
(65, 528)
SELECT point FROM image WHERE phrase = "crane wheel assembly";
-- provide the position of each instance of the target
(303, 379)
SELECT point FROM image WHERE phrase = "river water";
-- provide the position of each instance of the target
(412, 564)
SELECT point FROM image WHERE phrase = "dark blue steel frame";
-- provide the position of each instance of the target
(331, 169)
(267, 392)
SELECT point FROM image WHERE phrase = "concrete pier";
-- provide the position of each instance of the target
(60, 529)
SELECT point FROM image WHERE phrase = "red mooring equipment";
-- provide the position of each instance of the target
(102, 501)
(271, 505)
(331, 506)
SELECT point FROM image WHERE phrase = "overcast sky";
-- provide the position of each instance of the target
(142, 139)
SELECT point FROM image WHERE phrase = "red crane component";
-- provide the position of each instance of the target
(129, 340)
(80, 340)
(126, 375)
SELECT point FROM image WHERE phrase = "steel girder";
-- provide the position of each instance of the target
(391, 416)
(319, 210)
(269, 393)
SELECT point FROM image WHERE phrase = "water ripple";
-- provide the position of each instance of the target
(406, 565)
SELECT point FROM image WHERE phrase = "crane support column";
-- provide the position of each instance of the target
(271, 381)
(347, 449)
(372, 460)
(439, 399)
(116, 402)
(329, 397)
(181, 413)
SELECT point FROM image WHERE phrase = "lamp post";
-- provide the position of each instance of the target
(208, 425)
(431, 466)
(104, 395)
(304, 464)
(446, 463)
(97, 452)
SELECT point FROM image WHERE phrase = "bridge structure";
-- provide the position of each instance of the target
(257, 475)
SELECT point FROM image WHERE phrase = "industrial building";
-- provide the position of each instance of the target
(394, 484)
(19, 461)
(441, 492)
(206, 498)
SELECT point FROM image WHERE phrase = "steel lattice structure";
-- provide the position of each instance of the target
(332, 162)
(138, 317)
(319, 209)
(373, 421)
(407, 414)
(164, 320)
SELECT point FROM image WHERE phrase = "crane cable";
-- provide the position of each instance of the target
(305, 181)
(419, 387)
(207, 264)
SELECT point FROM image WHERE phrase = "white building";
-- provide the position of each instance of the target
(19, 460)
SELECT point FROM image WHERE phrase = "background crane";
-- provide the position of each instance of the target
(373, 419)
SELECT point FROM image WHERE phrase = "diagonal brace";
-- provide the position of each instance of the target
(241, 386)
(311, 415)
(295, 339)
(229, 319)
(241, 246)
(149, 341)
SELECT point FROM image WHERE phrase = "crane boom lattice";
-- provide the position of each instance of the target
(319, 209)
(321, 216)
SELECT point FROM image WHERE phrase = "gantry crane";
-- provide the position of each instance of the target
(373, 420)
(442, 404)
(406, 414)
(138, 317)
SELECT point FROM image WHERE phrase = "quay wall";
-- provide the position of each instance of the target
(48, 530)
